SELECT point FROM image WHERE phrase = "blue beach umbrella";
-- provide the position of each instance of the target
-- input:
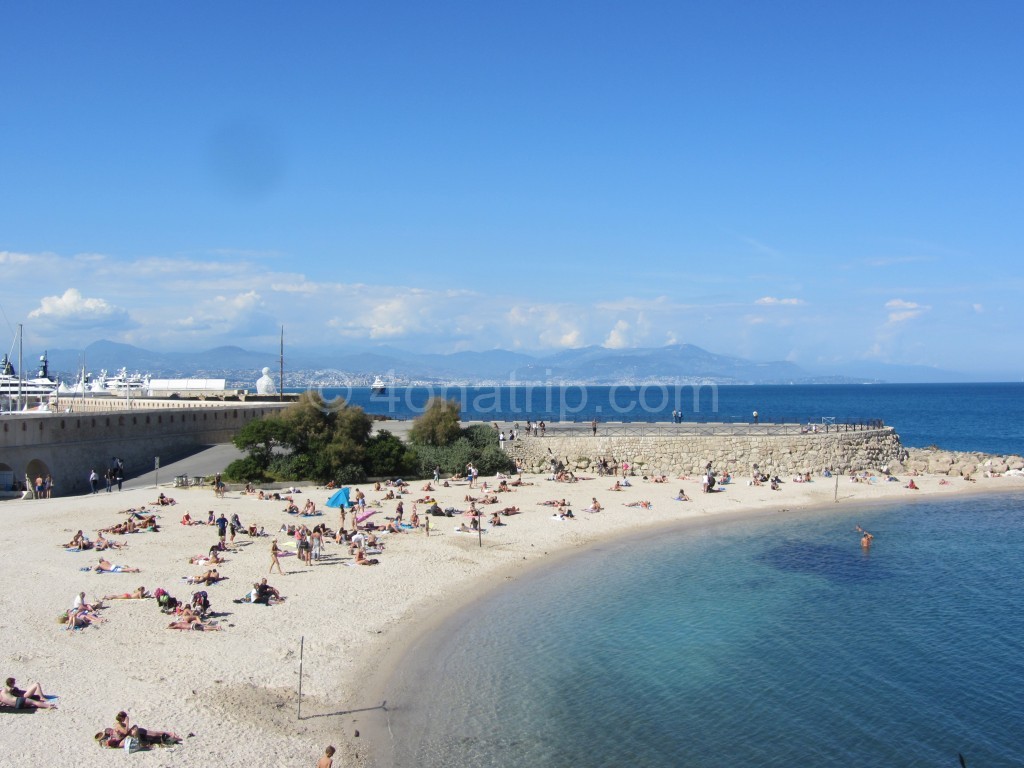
(339, 498)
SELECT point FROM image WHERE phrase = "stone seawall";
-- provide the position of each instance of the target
(68, 445)
(782, 454)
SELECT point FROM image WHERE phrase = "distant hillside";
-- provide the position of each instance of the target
(680, 363)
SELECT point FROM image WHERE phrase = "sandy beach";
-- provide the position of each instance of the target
(232, 694)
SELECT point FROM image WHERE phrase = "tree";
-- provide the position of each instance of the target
(438, 425)
(309, 421)
(259, 437)
(388, 456)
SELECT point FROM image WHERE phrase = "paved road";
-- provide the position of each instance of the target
(208, 461)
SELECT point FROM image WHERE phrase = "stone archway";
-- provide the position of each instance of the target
(37, 469)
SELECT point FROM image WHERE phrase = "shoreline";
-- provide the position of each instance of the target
(391, 669)
(355, 621)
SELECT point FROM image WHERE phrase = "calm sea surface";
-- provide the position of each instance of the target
(966, 417)
(776, 642)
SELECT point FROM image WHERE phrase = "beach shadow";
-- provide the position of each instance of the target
(383, 707)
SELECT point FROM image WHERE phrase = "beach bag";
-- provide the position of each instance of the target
(131, 744)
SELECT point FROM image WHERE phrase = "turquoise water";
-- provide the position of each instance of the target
(775, 642)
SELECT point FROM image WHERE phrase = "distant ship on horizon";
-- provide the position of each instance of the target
(379, 387)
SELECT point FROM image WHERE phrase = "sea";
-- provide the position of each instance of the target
(772, 640)
(768, 642)
(961, 417)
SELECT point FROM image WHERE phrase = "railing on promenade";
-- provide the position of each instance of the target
(701, 429)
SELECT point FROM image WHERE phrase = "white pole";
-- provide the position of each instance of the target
(302, 642)
(21, 367)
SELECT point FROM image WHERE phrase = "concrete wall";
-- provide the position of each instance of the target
(68, 445)
(782, 454)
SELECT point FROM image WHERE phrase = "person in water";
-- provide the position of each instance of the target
(866, 539)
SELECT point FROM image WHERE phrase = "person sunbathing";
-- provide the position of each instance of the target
(187, 520)
(912, 485)
(213, 558)
(265, 594)
(616, 487)
(641, 504)
(18, 699)
(427, 487)
(211, 576)
(123, 729)
(119, 528)
(78, 541)
(164, 501)
(555, 503)
(195, 624)
(682, 496)
(362, 559)
(496, 519)
(393, 527)
(106, 566)
(104, 543)
(510, 511)
(79, 618)
(138, 594)
(595, 505)
(488, 499)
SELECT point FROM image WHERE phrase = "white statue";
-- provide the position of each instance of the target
(265, 384)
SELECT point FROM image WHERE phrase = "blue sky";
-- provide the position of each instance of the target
(817, 182)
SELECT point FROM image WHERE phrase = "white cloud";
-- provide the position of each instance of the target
(772, 301)
(618, 337)
(9, 258)
(901, 311)
(978, 308)
(72, 310)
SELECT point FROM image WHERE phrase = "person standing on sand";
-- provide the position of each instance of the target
(327, 761)
(273, 558)
(94, 480)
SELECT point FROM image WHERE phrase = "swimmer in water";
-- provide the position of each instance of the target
(866, 539)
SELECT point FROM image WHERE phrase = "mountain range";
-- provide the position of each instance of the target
(677, 363)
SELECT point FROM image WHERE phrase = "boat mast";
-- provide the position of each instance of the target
(280, 387)
(21, 368)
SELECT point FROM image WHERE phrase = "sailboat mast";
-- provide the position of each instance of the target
(21, 367)
(280, 388)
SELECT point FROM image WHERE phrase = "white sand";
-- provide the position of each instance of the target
(236, 689)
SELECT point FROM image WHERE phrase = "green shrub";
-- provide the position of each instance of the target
(245, 470)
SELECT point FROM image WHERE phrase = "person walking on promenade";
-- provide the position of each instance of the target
(94, 480)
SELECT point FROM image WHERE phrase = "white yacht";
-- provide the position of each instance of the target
(31, 391)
